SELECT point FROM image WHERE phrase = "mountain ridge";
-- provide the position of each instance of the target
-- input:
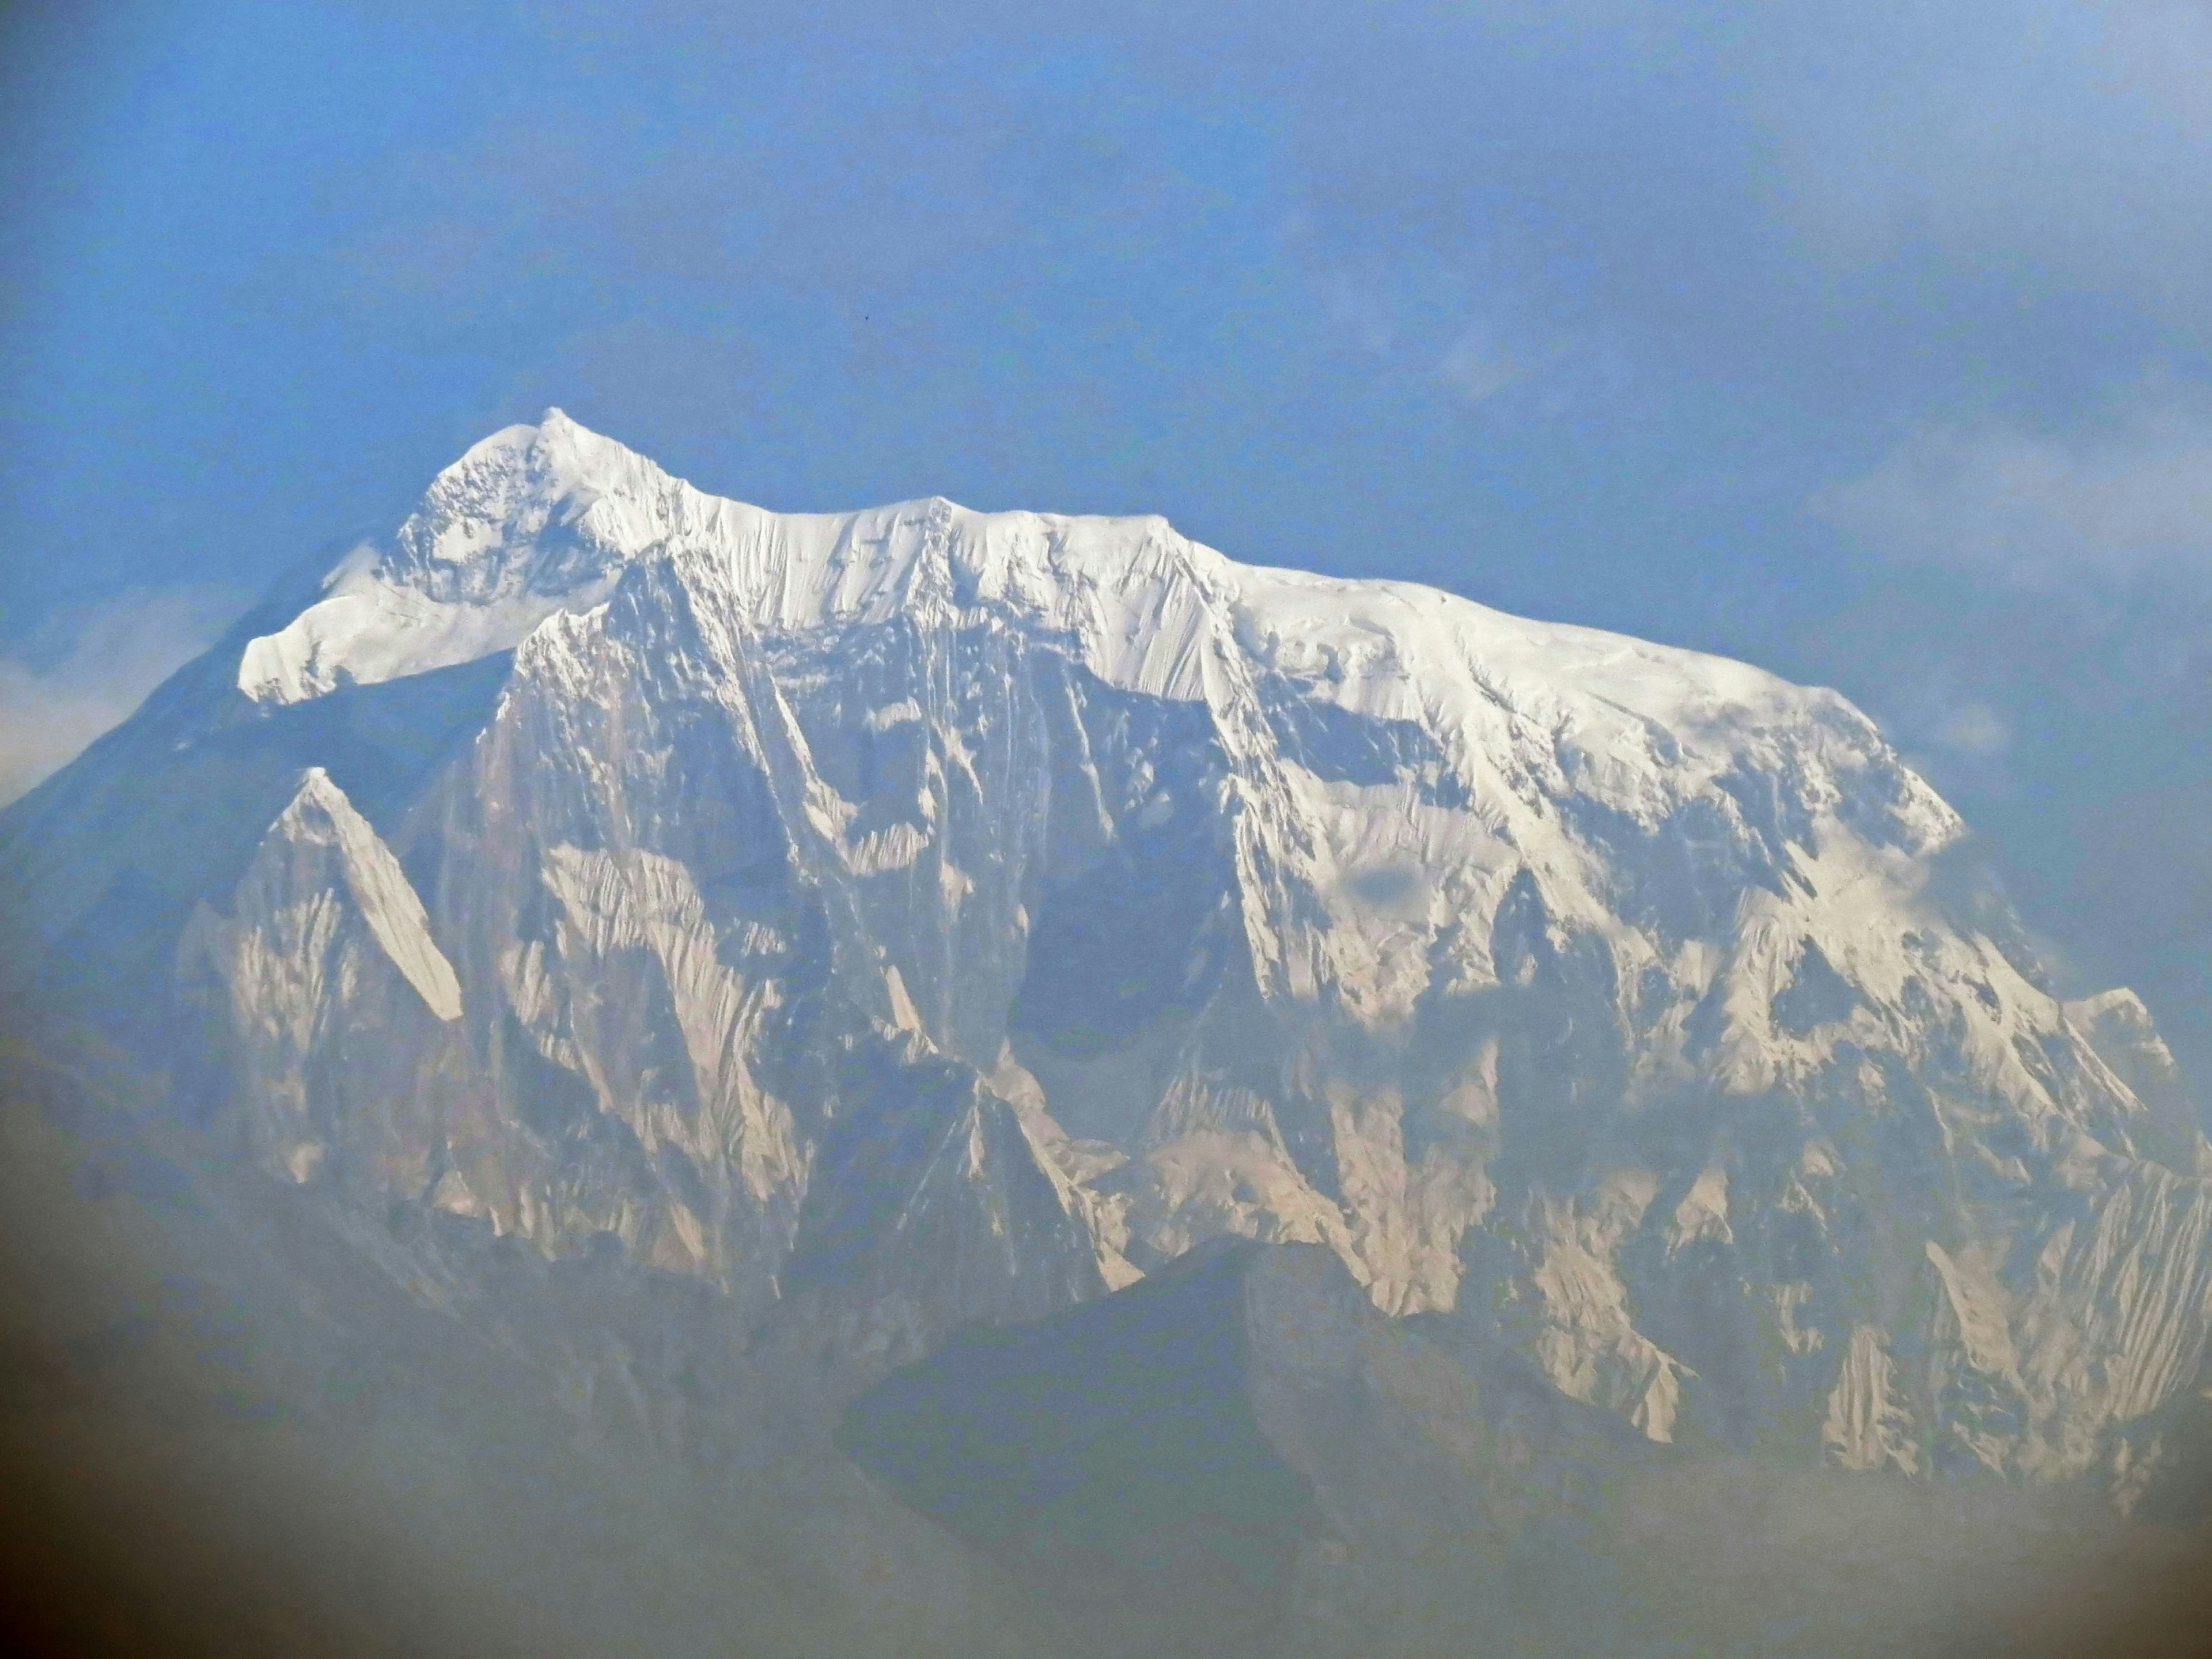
(999, 905)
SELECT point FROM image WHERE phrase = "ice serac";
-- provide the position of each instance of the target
(997, 905)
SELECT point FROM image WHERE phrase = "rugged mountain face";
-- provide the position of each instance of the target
(909, 917)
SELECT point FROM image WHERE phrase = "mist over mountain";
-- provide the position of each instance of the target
(1005, 1081)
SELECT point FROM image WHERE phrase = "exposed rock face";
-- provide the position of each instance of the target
(339, 1007)
(925, 916)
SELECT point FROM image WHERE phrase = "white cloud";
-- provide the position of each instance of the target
(1974, 730)
(1434, 326)
(86, 670)
(1361, 310)
(1479, 368)
(2131, 500)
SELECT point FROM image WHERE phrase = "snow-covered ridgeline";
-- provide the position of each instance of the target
(538, 520)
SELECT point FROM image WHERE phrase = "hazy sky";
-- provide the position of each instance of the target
(1872, 344)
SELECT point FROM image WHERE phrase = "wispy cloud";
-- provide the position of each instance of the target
(1433, 327)
(1478, 366)
(1960, 738)
(2130, 500)
(1974, 730)
(2067, 137)
(87, 669)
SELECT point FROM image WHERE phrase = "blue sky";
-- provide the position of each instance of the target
(1873, 345)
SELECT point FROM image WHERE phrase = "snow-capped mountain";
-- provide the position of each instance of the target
(912, 917)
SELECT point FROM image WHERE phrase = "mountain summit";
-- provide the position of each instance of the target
(909, 917)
